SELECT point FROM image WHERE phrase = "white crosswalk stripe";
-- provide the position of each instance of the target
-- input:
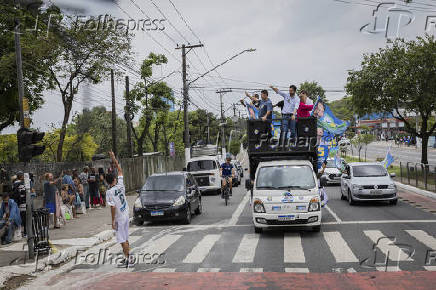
(247, 249)
(339, 247)
(208, 269)
(424, 238)
(430, 268)
(164, 270)
(202, 249)
(297, 270)
(388, 269)
(157, 246)
(387, 246)
(293, 249)
(251, 270)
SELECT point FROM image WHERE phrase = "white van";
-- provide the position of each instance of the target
(286, 193)
(206, 171)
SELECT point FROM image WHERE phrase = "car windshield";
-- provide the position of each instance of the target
(285, 177)
(201, 165)
(369, 171)
(164, 183)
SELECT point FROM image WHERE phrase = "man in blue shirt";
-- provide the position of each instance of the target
(228, 171)
(289, 112)
(265, 106)
(10, 219)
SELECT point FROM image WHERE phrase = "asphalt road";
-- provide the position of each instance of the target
(403, 154)
(222, 239)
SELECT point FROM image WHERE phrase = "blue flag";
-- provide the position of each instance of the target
(389, 159)
(253, 113)
(327, 120)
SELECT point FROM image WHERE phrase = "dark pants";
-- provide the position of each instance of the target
(23, 221)
(7, 231)
(287, 124)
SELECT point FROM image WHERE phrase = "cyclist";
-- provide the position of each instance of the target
(227, 170)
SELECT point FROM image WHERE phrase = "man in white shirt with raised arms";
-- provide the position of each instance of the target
(116, 199)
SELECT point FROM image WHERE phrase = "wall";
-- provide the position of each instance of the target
(136, 170)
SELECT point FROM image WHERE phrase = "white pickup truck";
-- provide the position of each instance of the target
(285, 193)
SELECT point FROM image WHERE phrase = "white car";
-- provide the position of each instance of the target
(368, 181)
(206, 171)
(332, 173)
(285, 193)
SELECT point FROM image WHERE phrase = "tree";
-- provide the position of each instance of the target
(97, 123)
(400, 78)
(313, 89)
(160, 97)
(342, 109)
(235, 146)
(361, 141)
(8, 148)
(34, 54)
(80, 55)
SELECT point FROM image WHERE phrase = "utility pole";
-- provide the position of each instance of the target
(114, 115)
(234, 110)
(128, 120)
(208, 130)
(24, 124)
(222, 125)
(186, 98)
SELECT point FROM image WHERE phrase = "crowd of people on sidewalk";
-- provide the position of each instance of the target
(65, 196)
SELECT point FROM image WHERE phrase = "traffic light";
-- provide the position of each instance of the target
(27, 139)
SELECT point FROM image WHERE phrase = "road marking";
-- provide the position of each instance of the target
(251, 270)
(202, 249)
(387, 246)
(338, 220)
(339, 247)
(246, 249)
(297, 270)
(208, 269)
(430, 268)
(164, 270)
(157, 246)
(351, 270)
(293, 249)
(237, 213)
(388, 269)
(423, 237)
(379, 222)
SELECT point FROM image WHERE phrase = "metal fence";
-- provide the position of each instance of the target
(418, 175)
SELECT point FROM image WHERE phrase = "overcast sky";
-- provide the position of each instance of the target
(295, 40)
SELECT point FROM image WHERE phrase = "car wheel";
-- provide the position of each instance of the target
(393, 202)
(199, 209)
(258, 230)
(316, 229)
(137, 222)
(188, 217)
(350, 199)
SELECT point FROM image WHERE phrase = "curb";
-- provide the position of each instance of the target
(416, 190)
(53, 259)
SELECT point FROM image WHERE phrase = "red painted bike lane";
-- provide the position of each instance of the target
(272, 280)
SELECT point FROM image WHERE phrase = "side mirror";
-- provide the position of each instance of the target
(184, 169)
(392, 174)
(323, 181)
(248, 184)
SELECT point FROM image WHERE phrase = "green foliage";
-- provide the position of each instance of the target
(400, 78)
(8, 148)
(313, 89)
(235, 146)
(342, 109)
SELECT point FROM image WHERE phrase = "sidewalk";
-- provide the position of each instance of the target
(404, 147)
(75, 232)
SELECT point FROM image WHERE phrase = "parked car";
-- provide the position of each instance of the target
(332, 173)
(368, 181)
(206, 171)
(167, 196)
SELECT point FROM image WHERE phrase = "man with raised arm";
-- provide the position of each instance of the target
(116, 199)
(289, 111)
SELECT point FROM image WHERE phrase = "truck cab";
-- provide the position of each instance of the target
(283, 181)
(286, 193)
(206, 171)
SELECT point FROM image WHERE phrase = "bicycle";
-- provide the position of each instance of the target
(226, 191)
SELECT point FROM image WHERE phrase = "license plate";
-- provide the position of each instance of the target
(286, 217)
(376, 191)
(157, 213)
(276, 208)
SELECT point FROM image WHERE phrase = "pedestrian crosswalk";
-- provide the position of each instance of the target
(289, 251)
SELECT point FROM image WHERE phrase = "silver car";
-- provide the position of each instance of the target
(332, 173)
(368, 182)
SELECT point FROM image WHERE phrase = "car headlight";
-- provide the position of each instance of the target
(357, 186)
(138, 203)
(179, 201)
(258, 206)
(392, 186)
(314, 204)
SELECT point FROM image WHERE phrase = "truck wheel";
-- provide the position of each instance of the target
(258, 230)
(316, 229)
